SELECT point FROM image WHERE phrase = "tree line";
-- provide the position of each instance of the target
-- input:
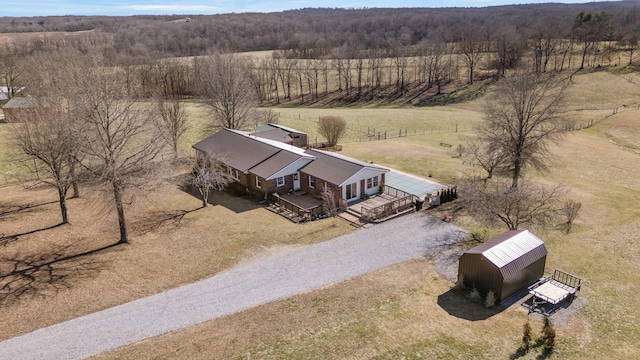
(315, 33)
(354, 55)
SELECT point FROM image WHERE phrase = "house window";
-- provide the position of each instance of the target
(352, 191)
(280, 181)
(375, 181)
(312, 181)
(233, 173)
(369, 183)
(258, 182)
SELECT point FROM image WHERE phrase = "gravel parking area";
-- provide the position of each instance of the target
(249, 284)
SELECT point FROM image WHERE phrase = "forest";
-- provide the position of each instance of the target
(333, 57)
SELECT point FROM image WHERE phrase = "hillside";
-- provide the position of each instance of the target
(314, 32)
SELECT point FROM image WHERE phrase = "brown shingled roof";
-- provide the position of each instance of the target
(335, 168)
(241, 152)
(274, 163)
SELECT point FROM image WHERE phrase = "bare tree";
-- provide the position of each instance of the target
(332, 128)
(629, 43)
(484, 154)
(226, 86)
(267, 116)
(590, 28)
(496, 201)
(210, 173)
(472, 49)
(509, 46)
(521, 117)
(11, 73)
(545, 41)
(171, 122)
(118, 136)
(329, 202)
(570, 210)
(45, 136)
(45, 131)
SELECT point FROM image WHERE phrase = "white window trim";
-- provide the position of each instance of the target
(311, 177)
(369, 183)
(258, 182)
(280, 181)
(235, 174)
(375, 181)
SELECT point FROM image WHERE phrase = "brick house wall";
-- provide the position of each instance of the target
(318, 190)
(271, 186)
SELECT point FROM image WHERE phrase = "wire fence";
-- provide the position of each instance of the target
(576, 126)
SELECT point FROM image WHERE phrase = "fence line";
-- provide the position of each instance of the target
(580, 126)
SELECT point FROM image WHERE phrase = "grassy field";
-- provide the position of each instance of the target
(409, 311)
(404, 311)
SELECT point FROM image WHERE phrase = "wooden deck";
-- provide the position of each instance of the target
(372, 202)
(389, 204)
(297, 207)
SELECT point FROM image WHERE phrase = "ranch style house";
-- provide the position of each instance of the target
(266, 166)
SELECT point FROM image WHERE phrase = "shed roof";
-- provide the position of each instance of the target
(274, 134)
(336, 168)
(21, 103)
(286, 128)
(511, 251)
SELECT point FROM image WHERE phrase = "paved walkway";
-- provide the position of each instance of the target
(247, 285)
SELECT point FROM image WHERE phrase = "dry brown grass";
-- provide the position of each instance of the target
(406, 310)
(402, 311)
(165, 251)
(409, 311)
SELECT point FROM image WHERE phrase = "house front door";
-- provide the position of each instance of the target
(352, 191)
(296, 181)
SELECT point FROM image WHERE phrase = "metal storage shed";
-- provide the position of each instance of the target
(504, 264)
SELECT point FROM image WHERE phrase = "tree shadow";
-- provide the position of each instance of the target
(237, 204)
(43, 274)
(5, 239)
(159, 219)
(456, 303)
(10, 209)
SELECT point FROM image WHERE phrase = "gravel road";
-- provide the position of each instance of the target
(249, 284)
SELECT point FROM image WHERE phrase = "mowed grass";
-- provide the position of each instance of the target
(360, 121)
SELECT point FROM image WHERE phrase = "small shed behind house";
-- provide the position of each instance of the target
(504, 264)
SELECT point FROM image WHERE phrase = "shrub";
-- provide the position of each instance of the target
(550, 340)
(474, 294)
(490, 300)
(526, 335)
(570, 210)
(460, 284)
(548, 334)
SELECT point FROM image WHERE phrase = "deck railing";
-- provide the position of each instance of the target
(288, 205)
(404, 201)
(389, 190)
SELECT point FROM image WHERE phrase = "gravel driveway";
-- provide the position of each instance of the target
(247, 285)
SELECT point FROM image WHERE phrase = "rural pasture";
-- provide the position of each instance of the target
(404, 311)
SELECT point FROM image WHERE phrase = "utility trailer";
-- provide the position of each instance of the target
(554, 289)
